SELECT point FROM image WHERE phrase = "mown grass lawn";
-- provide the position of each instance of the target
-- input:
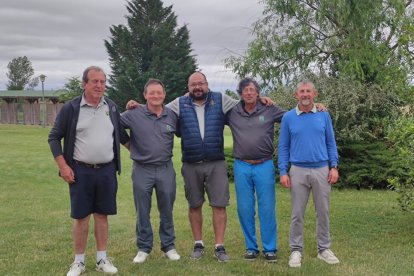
(370, 235)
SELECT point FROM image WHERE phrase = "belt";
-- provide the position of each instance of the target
(201, 161)
(257, 161)
(93, 166)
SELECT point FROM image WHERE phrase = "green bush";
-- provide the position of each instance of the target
(401, 135)
(368, 164)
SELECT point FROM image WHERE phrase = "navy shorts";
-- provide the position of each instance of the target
(94, 191)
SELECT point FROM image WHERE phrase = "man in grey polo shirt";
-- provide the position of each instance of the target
(152, 139)
(252, 127)
(90, 128)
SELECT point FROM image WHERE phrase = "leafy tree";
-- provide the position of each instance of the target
(150, 46)
(72, 88)
(20, 72)
(361, 56)
(401, 135)
(359, 111)
(370, 41)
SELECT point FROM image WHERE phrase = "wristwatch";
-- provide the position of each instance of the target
(334, 167)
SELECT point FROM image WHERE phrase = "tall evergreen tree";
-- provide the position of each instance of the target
(150, 46)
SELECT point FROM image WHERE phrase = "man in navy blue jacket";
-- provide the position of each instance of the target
(90, 128)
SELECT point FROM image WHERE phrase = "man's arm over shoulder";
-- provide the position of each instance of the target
(278, 113)
(126, 118)
(228, 103)
(174, 105)
(175, 121)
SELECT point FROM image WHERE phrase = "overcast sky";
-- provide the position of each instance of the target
(61, 38)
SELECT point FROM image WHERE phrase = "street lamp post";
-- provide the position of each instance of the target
(42, 79)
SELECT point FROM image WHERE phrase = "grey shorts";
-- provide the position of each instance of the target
(207, 177)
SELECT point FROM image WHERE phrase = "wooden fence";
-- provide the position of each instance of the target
(29, 113)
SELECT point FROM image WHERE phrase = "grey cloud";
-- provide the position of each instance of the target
(61, 38)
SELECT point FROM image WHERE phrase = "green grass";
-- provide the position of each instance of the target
(370, 235)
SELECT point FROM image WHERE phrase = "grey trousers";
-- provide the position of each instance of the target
(303, 181)
(145, 179)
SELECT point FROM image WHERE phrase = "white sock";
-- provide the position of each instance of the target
(100, 255)
(80, 258)
(200, 241)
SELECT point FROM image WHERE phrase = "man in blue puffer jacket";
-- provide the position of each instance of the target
(201, 118)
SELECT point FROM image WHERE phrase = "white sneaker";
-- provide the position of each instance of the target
(172, 255)
(328, 256)
(295, 259)
(76, 269)
(106, 266)
(140, 257)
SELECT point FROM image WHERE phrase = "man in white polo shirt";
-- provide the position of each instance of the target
(90, 128)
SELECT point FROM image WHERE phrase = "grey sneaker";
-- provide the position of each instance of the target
(270, 257)
(328, 256)
(220, 254)
(295, 259)
(106, 266)
(76, 269)
(251, 255)
(172, 255)
(198, 252)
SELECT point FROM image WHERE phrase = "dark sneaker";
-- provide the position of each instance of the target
(270, 257)
(220, 254)
(251, 255)
(198, 251)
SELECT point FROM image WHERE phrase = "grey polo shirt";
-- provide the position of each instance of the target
(253, 133)
(152, 137)
(94, 140)
(227, 104)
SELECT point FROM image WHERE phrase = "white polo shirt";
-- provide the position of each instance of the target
(94, 134)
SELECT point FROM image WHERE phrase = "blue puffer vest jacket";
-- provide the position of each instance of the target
(194, 149)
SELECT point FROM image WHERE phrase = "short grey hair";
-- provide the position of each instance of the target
(304, 82)
(91, 68)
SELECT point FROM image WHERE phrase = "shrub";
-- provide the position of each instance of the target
(401, 135)
(368, 164)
